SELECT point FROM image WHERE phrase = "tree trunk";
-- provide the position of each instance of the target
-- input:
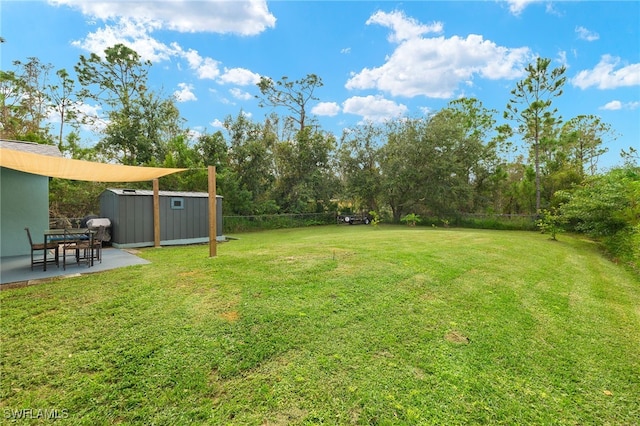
(537, 153)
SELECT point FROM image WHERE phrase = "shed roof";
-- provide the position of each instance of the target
(32, 147)
(149, 193)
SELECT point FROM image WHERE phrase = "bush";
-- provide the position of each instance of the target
(551, 222)
(607, 208)
(233, 224)
(375, 218)
(624, 246)
(411, 219)
(499, 222)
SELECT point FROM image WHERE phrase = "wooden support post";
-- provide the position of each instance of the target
(212, 212)
(156, 213)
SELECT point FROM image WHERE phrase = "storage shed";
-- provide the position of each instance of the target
(184, 217)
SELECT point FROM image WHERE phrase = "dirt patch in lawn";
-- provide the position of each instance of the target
(231, 316)
(457, 337)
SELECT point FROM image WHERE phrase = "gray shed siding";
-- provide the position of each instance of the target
(190, 222)
(131, 215)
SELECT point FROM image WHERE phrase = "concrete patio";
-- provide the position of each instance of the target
(16, 271)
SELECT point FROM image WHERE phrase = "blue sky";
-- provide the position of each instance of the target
(377, 59)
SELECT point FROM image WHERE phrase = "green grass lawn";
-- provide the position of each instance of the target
(334, 325)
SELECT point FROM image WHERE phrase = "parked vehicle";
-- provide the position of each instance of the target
(354, 219)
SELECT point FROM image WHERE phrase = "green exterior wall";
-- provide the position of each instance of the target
(24, 202)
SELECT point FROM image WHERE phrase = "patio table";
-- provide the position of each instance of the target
(58, 236)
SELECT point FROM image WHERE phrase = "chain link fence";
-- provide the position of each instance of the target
(526, 222)
(233, 224)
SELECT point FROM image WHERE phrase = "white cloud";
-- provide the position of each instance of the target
(248, 17)
(195, 133)
(217, 124)
(239, 76)
(617, 105)
(373, 108)
(585, 34)
(240, 94)
(205, 68)
(551, 10)
(426, 111)
(404, 28)
(134, 35)
(185, 93)
(132, 23)
(604, 75)
(612, 106)
(562, 58)
(435, 67)
(208, 69)
(92, 115)
(516, 7)
(87, 109)
(330, 109)
(346, 50)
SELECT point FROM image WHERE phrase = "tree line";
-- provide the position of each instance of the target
(456, 160)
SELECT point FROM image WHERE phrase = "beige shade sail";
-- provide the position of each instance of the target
(66, 168)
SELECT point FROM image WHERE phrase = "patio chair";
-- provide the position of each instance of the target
(98, 238)
(99, 234)
(41, 247)
(73, 245)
